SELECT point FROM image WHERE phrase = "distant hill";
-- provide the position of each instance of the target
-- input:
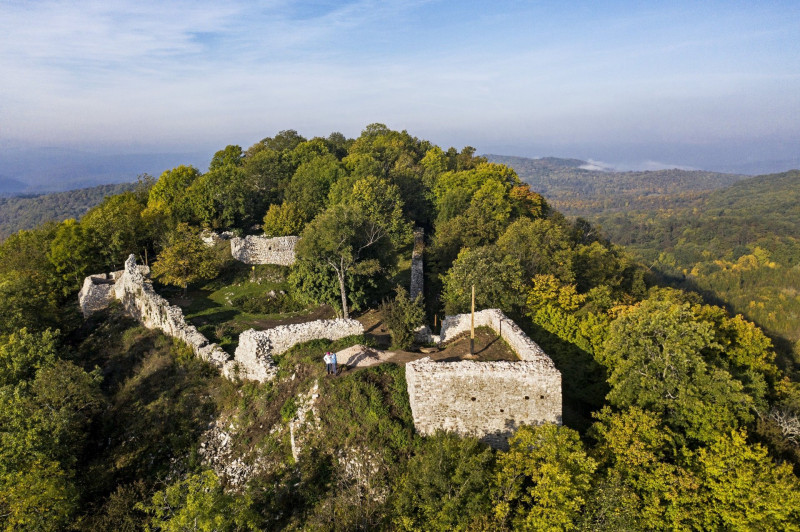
(10, 187)
(739, 245)
(42, 170)
(579, 188)
(27, 212)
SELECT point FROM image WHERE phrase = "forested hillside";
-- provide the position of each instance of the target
(739, 245)
(574, 188)
(676, 413)
(27, 212)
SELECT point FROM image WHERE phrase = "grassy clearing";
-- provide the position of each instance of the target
(215, 308)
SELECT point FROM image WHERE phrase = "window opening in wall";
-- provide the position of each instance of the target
(541, 397)
(474, 399)
(501, 410)
(527, 398)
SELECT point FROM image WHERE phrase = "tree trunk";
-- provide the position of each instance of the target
(345, 314)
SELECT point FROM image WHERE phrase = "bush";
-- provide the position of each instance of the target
(402, 316)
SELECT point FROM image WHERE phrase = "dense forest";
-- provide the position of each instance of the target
(27, 212)
(739, 246)
(677, 414)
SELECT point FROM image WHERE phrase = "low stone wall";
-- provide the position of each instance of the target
(485, 400)
(154, 312)
(256, 348)
(509, 331)
(253, 357)
(96, 293)
(263, 250)
(417, 271)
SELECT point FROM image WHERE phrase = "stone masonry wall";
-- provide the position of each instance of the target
(417, 264)
(509, 331)
(256, 348)
(253, 357)
(486, 400)
(263, 250)
(154, 312)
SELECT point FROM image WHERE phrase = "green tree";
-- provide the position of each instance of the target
(118, 229)
(283, 220)
(311, 183)
(637, 455)
(23, 353)
(544, 479)
(497, 280)
(230, 155)
(380, 200)
(741, 488)
(402, 317)
(185, 259)
(654, 356)
(347, 241)
(221, 198)
(73, 255)
(445, 486)
(200, 503)
(39, 497)
(540, 246)
(168, 195)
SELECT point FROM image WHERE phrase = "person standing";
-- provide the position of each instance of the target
(328, 362)
(333, 362)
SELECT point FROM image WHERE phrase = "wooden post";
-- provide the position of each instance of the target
(472, 325)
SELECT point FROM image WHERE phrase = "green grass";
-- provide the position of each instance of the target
(211, 307)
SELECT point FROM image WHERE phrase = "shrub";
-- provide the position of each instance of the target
(402, 316)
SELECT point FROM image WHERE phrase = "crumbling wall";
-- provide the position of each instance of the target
(417, 271)
(256, 348)
(253, 357)
(137, 296)
(509, 331)
(485, 400)
(96, 293)
(263, 250)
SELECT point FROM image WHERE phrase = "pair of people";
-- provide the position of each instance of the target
(330, 362)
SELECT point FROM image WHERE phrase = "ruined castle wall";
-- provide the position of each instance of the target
(486, 400)
(256, 348)
(509, 331)
(417, 271)
(139, 299)
(253, 357)
(96, 293)
(263, 250)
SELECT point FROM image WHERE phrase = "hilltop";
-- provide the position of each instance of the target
(657, 403)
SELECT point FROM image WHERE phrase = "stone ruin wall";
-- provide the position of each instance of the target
(253, 357)
(417, 264)
(256, 348)
(263, 250)
(487, 400)
(139, 300)
(509, 331)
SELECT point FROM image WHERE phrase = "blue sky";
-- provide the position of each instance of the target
(630, 83)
